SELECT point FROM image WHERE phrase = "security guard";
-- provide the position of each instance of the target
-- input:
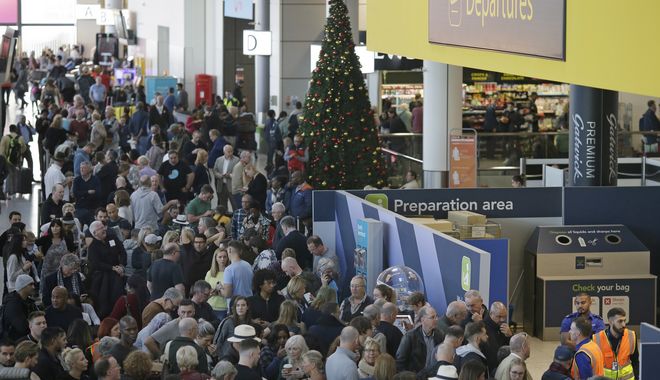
(588, 360)
(622, 362)
(583, 305)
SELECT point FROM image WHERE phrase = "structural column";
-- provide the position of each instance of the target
(442, 112)
(261, 62)
(593, 136)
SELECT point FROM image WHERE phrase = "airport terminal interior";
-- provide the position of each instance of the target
(329, 189)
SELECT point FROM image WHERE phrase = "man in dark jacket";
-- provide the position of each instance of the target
(52, 207)
(60, 313)
(386, 326)
(498, 332)
(327, 327)
(454, 315)
(17, 307)
(561, 365)
(416, 350)
(354, 305)
(53, 341)
(475, 336)
(138, 127)
(650, 123)
(107, 175)
(86, 188)
(295, 240)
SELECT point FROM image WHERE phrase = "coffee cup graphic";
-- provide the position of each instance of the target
(455, 12)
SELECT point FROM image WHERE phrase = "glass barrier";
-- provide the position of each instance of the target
(499, 153)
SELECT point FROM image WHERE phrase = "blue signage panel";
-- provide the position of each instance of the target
(495, 203)
(633, 295)
(499, 266)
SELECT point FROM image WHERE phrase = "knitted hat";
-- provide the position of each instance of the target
(22, 281)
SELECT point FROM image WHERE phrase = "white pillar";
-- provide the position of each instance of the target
(112, 4)
(194, 51)
(275, 67)
(373, 87)
(214, 42)
(261, 62)
(442, 113)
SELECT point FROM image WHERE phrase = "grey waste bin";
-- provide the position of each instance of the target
(606, 261)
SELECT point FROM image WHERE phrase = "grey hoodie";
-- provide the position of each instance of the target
(147, 208)
(129, 247)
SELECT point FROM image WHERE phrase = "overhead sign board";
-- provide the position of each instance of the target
(257, 42)
(529, 27)
(365, 56)
(239, 9)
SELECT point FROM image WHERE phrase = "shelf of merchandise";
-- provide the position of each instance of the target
(401, 93)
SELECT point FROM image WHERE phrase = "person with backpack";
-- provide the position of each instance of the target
(12, 147)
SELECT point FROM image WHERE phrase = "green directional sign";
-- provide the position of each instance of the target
(466, 273)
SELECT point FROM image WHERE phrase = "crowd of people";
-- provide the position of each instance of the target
(162, 251)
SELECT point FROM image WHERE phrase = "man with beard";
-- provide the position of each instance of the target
(619, 347)
(583, 305)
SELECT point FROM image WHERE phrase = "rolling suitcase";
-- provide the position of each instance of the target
(19, 181)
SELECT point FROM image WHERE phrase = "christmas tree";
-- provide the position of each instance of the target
(338, 123)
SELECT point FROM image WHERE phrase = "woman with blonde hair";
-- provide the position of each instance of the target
(517, 370)
(76, 364)
(256, 185)
(289, 317)
(295, 291)
(186, 359)
(215, 277)
(295, 349)
(366, 366)
(169, 237)
(385, 367)
(313, 312)
(312, 364)
(55, 135)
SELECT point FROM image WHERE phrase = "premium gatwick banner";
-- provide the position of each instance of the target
(530, 27)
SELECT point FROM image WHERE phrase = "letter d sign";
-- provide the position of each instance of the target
(257, 42)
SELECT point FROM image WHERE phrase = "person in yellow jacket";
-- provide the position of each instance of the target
(588, 360)
(619, 347)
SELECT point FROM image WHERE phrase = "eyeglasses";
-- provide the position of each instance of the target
(370, 351)
(356, 286)
(517, 373)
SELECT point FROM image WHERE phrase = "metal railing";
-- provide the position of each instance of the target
(645, 169)
(500, 154)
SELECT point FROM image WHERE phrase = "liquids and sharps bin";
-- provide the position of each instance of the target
(606, 261)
